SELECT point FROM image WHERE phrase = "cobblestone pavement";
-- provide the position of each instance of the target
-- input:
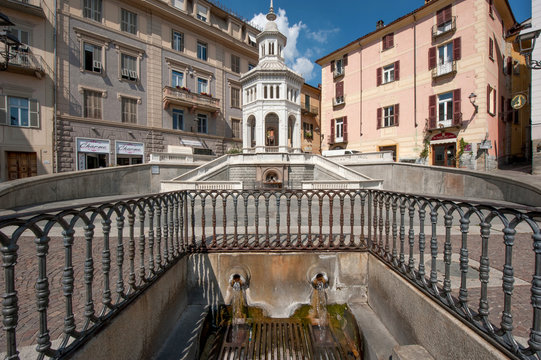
(26, 276)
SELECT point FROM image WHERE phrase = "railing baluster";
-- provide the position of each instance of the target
(213, 200)
(278, 196)
(352, 220)
(375, 243)
(320, 197)
(363, 203)
(10, 307)
(89, 276)
(402, 261)
(235, 222)
(381, 246)
(176, 220)
(448, 220)
(67, 285)
(341, 240)
(120, 257)
(463, 293)
(411, 238)
(267, 240)
(422, 243)
(192, 220)
(299, 221)
(256, 203)
(434, 252)
(246, 243)
(159, 235)
(394, 258)
(131, 251)
(331, 222)
(165, 231)
(224, 221)
(106, 266)
(309, 243)
(42, 297)
(387, 228)
(142, 242)
(203, 221)
(484, 276)
(151, 265)
(288, 221)
(172, 247)
(508, 281)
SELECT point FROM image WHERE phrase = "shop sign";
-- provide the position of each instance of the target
(93, 146)
(443, 136)
(130, 148)
(518, 101)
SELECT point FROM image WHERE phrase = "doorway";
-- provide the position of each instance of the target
(21, 164)
(444, 155)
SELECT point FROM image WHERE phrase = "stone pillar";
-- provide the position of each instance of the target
(283, 132)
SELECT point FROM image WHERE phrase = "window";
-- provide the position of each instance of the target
(235, 63)
(129, 110)
(177, 41)
(202, 86)
(443, 57)
(235, 127)
(128, 64)
(444, 20)
(387, 41)
(177, 79)
(128, 21)
(252, 40)
(92, 104)
(388, 73)
(339, 99)
(201, 51)
(250, 66)
(22, 35)
(307, 102)
(491, 100)
(388, 116)
(202, 123)
(202, 12)
(491, 48)
(92, 58)
(179, 4)
(339, 67)
(22, 112)
(178, 119)
(235, 97)
(92, 10)
(308, 130)
(445, 109)
(339, 130)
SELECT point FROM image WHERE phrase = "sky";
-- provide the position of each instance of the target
(315, 28)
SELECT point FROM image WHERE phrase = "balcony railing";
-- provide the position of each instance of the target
(434, 124)
(446, 28)
(309, 109)
(22, 61)
(444, 68)
(337, 101)
(108, 253)
(33, 7)
(184, 97)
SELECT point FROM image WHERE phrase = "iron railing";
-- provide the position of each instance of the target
(460, 254)
(443, 29)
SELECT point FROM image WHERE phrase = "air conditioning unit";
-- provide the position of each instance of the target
(133, 75)
(97, 65)
(125, 73)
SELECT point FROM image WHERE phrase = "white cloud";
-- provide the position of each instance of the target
(321, 36)
(304, 67)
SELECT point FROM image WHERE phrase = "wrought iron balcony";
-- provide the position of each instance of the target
(184, 97)
(23, 62)
(443, 69)
(447, 28)
(337, 101)
(309, 109)
(33, 7)
(434, 124)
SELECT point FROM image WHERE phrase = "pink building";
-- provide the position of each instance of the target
(434, 84)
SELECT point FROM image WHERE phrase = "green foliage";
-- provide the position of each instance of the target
(461, 146)
(424, 153)
(232, 151)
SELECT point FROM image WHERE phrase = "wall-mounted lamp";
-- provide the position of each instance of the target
(526, 44)
(473, 99)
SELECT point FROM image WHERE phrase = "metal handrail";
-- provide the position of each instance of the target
(25, 59)
(185, 94)
(437, 31)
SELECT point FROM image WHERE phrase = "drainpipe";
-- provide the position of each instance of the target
(361, 93)
(415, 76)
(56, 167)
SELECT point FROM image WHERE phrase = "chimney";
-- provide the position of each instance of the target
(379, 24)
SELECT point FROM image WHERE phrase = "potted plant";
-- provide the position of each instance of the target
(308, 135)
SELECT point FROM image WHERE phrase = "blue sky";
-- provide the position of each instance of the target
(315, 27)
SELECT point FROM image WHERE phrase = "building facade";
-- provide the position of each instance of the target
(311, 128)
(26, 89)
(142, 77)
(425, 87)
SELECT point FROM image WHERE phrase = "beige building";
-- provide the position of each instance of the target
(310, 110)
(142, 77)
(26, 89)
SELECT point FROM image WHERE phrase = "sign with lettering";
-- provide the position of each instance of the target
(93, 146)
(130, 148)
(443, 136)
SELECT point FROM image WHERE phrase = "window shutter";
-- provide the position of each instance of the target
(396, 114)
(440, 17)
(34, 112)
(3, 110)
(340, 89)
(432, 112)
(397, 70)
(457, 111)
(384, 43)
(495, 98)
(431, 58)
(378, 75)
(331, 138)
(345, 129)
(379, 118)
(488, 98)
(447, 13)
(491, 48)
(391, 40)
(345, 61)
(181, 42)
(172, 39)
(457, 49)
(332, 66)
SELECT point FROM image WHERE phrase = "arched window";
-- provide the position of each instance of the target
(271, 91)
(277, 91)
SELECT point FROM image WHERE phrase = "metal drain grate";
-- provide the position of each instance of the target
(280, 339)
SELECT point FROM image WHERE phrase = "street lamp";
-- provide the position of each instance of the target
(473, 98)
(526, 44)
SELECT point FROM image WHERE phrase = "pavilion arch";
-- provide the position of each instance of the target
(272, 124)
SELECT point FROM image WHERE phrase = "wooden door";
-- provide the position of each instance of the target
(21, 165)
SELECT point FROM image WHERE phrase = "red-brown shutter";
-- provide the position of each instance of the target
(432, 112)
(391, 40)
(332, 66)
(384, 43)
(397, 70)
(396, 114)
(491, 48)
(509, 65)
(431, 58)
(495, 98)
(488, 98)
(331, 138)
(339, 89)
(457, 49)
(379, 118)
(345, 129)
(378, 75)
(345, 61)
(440, 17)
(457, 111)
(490, 5)
(447, 13)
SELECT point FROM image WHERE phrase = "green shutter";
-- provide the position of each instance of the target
(3, 110)
(34, 113)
